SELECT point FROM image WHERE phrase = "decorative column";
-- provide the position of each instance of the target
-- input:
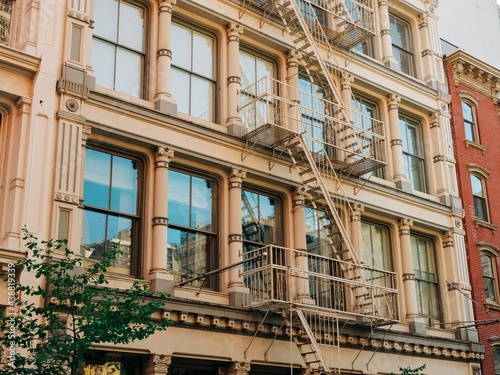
(292, 73)
(412, 316)
(398, 174)
(233, 123)
(385, 36)
(439, 159)
(238, 293)
(346, 97)
(161, 280)
(157, 364)
(238, 368)
(163, 98)
(299, 237)
(356, 233)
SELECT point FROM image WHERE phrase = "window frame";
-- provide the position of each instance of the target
(213, 237)
(394, 21)
(143, 76)
(6, 39)
(278, 217)
(483, 199)
(408, 155)
(432, 320)
(213, 81)
(471, 128)
(357, 103)
(493, 278)
(137, 219)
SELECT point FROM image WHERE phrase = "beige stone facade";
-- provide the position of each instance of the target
(300, 154)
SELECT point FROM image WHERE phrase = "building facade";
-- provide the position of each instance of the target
(475, 98)
(285, 170)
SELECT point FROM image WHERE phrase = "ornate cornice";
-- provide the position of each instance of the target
(475, 74)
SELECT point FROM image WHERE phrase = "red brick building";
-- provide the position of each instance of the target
(474, 88)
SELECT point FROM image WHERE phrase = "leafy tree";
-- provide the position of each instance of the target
(409, 371)
(49, 328)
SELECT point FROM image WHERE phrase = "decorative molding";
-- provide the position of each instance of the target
(404, 226)
(67, 198)
(160, 220)
(235, 238)
(163, 155)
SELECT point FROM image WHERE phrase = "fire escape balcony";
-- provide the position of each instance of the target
(285, 277)
(345, 23)
(351, 141)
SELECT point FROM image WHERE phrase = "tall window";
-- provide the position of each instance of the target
(426, 283)
(376, 246)
(479, 196)
(401, 44)
(192, 237)
(259, 221)
(110, 215)
(5, 18)
(253, 68)
(364, 116)
(118, 46)
(316, 237)
(313, 116)
(193, 71)
(469, 122)
(311, 11)
(489, 277)
(413, 152)
(496, 360)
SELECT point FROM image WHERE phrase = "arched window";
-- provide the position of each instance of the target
(479, 196)
(470, 124)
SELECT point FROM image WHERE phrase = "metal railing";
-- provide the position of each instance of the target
(286, 276)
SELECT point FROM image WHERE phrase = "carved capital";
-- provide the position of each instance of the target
(86, 131)
(298, 195)
(238, 368)
(158, 364)
(393, 100)
(404, 226)
(166, 6)
(163, 156)
(357, 210)
(233, 31)
(448, 239)
(292, 58)
(236, 176)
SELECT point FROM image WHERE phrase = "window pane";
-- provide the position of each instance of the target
(247, 69)
(128, 72)
(124, 186)
(106, 18)
(467, 112)
(202, 99)
(131, 27)
(181, 82)
(103, 62)
(179, 192)
(203, 55)
(250, 216)
(201, 216)
(477, 186)
(97, 179)
(181, 46)
(93, 234)
(268, 223)
(120, 235)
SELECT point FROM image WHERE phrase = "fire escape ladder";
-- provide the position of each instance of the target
(307, 339)
(319, 63)
(367, 300)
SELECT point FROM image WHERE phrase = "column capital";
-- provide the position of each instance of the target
(166, 5)
(163, 155)
(158, 364)
(347, 80)
(236, 174)
(393, 100)
(292, 58)
(238, 368)
(234, 30)
(357, 210)
(448, 238)
(23, 104)
(404, 226)
(434, 121)
(381, 3)
(86, 131)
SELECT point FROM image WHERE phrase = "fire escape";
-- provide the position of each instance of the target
(318, 134)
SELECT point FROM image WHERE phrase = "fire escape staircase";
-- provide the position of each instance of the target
(317, 161)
